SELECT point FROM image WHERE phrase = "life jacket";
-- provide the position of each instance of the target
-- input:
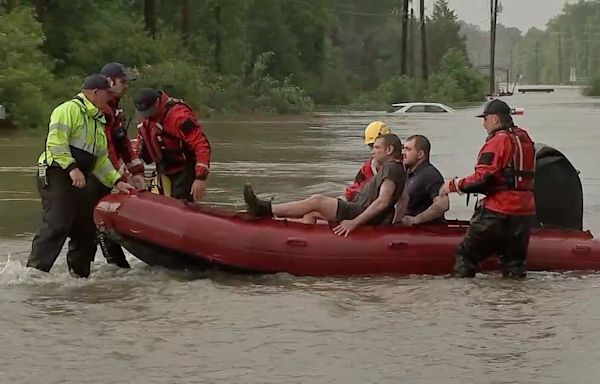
(366, 172)
(519, 173)
(116, 127)
(165, 148)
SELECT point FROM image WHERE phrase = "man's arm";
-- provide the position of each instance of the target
(192, 134)
(490, 161)
(140, 150)
(384, 200)
(435, 210)
(132, 161)
(401, 206)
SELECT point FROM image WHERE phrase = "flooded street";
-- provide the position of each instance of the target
(150, 325)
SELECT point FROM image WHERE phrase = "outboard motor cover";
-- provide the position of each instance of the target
(558, 191)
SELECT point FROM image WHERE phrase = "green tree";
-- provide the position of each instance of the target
(443, 33)
(569, 41)
(245, 55)
(26, 81)
(455, 80)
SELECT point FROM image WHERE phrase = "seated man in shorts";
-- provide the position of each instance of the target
(373, 205)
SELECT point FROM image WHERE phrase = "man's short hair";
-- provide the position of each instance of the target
(506, 120)
(422, 143)
(393, 140)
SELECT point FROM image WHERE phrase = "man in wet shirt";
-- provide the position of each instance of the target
(423, 184)
(373, 205)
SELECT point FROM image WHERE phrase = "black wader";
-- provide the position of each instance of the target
(492, 233)
(67, 211)
(181, 182)
(113, 253)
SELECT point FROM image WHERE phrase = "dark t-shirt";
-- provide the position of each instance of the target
(423, 186)
(393, 170)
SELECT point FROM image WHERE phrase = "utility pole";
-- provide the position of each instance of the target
(411, 44)
(537, 67)
(493, 17)
(510, 69)
(559, 59)
(404, 51)
(423, 43)
(587, 51)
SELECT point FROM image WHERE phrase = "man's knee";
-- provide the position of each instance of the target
(317, 200)
(311, 217)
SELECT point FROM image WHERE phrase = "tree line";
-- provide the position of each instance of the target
(282, 56)
(566, 52)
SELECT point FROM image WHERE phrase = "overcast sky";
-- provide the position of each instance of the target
(522, 14)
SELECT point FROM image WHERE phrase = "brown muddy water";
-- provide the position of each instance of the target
(150, 325)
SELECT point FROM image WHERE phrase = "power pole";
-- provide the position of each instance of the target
(587, 51)
(537, 67)
(559, 59)
(510, 69)
(423, 43)
(403, 51)
(493, 17)
(411, 44)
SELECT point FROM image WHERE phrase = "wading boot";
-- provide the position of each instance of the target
(112, 251)
(256, 207)
(463, 267)
(514, 270)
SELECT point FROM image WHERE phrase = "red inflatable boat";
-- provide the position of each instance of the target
(163, 231)
(170, 233)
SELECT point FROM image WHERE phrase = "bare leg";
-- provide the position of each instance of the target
(324, 206)
(307, 210)
(312, 217)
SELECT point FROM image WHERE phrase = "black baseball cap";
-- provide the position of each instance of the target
(495, 107)
(96, 81)
(145, 101)
(117, 70)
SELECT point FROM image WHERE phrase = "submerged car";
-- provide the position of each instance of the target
(419, 107)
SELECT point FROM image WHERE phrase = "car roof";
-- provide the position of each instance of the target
(417, 103)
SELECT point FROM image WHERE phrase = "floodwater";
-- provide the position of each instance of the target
(150, 325)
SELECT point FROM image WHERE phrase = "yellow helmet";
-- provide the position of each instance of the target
(374, 130)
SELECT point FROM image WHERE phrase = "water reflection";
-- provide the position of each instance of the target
(152, 325)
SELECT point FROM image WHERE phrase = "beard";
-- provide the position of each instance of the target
(117, 90)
